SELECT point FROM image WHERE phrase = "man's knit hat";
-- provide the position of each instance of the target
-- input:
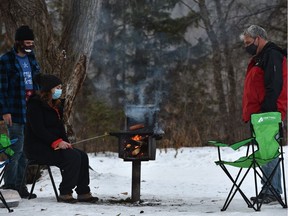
(46, 81)
(24, 33)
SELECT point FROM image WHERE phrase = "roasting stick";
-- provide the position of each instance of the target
(85, 140)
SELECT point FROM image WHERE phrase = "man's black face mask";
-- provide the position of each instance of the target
(27, 49)
(252, 49)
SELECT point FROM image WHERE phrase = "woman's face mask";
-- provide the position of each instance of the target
(57, 94)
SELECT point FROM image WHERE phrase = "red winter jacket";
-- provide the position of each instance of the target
(265, 86)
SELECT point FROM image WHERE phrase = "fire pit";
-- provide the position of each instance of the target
(137, 142)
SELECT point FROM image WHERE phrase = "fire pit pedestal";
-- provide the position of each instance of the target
(138, 141)
(136, 180)
(141, 149)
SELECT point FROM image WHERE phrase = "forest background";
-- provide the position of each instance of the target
(184, 57)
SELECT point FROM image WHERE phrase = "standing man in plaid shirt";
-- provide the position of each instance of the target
(17, 68)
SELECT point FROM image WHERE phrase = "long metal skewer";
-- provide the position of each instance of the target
(84, 140)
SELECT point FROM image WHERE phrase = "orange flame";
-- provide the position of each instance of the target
(137, 138)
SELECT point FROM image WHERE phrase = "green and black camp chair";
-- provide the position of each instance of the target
(6, 154)
(264, 146)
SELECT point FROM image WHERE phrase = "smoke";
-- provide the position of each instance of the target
(145, 114)
(148, 91)
(142, 113)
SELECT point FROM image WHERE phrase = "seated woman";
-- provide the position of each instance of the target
(46, 140)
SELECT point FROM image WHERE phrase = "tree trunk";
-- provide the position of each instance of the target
(67, 55)
(217, 64)
(227, 60)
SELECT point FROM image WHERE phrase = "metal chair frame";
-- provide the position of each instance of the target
(34, 162)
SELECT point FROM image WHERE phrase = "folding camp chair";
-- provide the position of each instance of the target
(6, 156)
(264, 146)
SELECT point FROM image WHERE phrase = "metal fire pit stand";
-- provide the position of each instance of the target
(136, 162)
(136, 180)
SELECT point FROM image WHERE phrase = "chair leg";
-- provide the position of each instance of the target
(34, 181)
(2, 174)
(235, 187)
(1, 195)
(268, 184)
(53, 183)
(267, 181)
(257, 201)
(5, 203)
(23, 182)
(283, 179)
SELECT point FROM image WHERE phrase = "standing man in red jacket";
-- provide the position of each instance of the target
(265, 88)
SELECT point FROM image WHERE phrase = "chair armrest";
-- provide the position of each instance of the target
(234, 146)
(218, 143)
(241, 143)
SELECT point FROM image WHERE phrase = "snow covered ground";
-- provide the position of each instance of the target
(180, 183)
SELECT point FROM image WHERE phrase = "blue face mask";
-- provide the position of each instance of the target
(57, 94)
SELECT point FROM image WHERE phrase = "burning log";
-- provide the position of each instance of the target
(136, 151)
(135, 146)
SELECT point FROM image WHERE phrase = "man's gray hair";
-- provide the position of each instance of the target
(254, 31)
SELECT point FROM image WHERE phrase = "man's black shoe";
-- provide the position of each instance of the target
(265, 198)
(269, 198)
(260, 197)
(23, 192)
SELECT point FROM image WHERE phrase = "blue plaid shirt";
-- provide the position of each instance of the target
(12, 86)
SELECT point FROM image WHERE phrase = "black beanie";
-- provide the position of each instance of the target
(46, 81)
(24, 33)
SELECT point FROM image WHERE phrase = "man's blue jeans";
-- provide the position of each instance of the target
(15, 170)
(276, 181)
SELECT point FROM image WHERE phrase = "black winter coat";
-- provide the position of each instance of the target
(44, 126)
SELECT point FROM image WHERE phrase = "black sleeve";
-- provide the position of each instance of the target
(36, 121)
(273, 79)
